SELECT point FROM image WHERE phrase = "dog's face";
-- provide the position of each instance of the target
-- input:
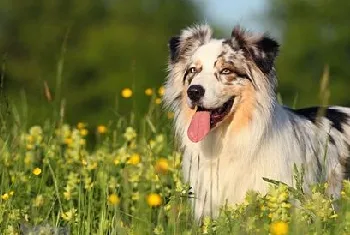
(217, 77)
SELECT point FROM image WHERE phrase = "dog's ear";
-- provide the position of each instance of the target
(174, 47)
(262, 49)
(190, 39)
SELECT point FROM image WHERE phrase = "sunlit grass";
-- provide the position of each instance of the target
(131, 183)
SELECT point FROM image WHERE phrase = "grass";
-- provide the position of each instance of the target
(131, 183)
(54, 181)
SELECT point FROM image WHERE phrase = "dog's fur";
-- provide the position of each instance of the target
(259, 137)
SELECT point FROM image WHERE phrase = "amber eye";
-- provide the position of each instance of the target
(192, 70)
(226, 71)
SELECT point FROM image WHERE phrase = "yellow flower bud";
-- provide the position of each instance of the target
(37, 171)
(5, 196)
(279, 228)
(126, 93)
(161, 91)
(68, 141)
(101, 129)
(154, 199)
(83, 132)
(134, 159)
(81, 125)
(113, 199)
(171, 115)
(158, 101)
(148, 91)
(162, 166)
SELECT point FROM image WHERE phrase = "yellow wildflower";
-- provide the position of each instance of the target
(92, 166)
(113, 199)
(154, 178)
(134, 159)
(81, 125)
(30, 139)
(148, 91)
(154, 199)
(5, 196)
(101, 129)
(39, 200)
(134, 177)
(67, 195)
(135, 196)
(37, 171)
(89, 184)
(279, 228)
(152, 143)
(161, 91)
(158, 101)
(84, 162)
(126, 93)
(116, 161)
(162, 166)
(130, 134)
(83, 132)
(171, 115)
(28, 159)
(29, 147)
(82, 141)
(69, 215)
(325, 185)
(68, 141)
(157, 144)
(36, 131)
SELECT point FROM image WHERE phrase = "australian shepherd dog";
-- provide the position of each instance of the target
(232, 129)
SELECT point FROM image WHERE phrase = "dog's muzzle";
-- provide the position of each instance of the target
(195, 93)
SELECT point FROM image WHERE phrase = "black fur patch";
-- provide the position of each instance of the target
(269, 47)
(174, 48)
(345, 162)
(262, 49)
(240, 36)
(185, 77)
(230, 43)
(336, 117)
(331, 140)
(347, 166)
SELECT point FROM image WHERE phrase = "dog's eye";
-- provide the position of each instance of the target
(226, 71)
(192, 70)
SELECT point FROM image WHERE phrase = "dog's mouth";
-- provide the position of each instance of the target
(218, 114)
(206, 119)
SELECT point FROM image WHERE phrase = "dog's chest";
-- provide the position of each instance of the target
(227, 178)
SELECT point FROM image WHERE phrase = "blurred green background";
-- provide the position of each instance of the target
(86, 51)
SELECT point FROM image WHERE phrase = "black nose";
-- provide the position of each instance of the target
(195, 92)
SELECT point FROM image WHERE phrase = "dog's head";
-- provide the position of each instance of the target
(218, 78)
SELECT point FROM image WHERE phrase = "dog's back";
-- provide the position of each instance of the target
(335, 122)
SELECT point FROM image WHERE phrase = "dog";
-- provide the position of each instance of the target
(233, 131)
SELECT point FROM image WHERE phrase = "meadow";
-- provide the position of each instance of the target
(129, 182)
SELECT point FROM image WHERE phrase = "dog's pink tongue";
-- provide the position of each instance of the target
(199, 126)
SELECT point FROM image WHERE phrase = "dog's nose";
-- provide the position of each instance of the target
(195, 92)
